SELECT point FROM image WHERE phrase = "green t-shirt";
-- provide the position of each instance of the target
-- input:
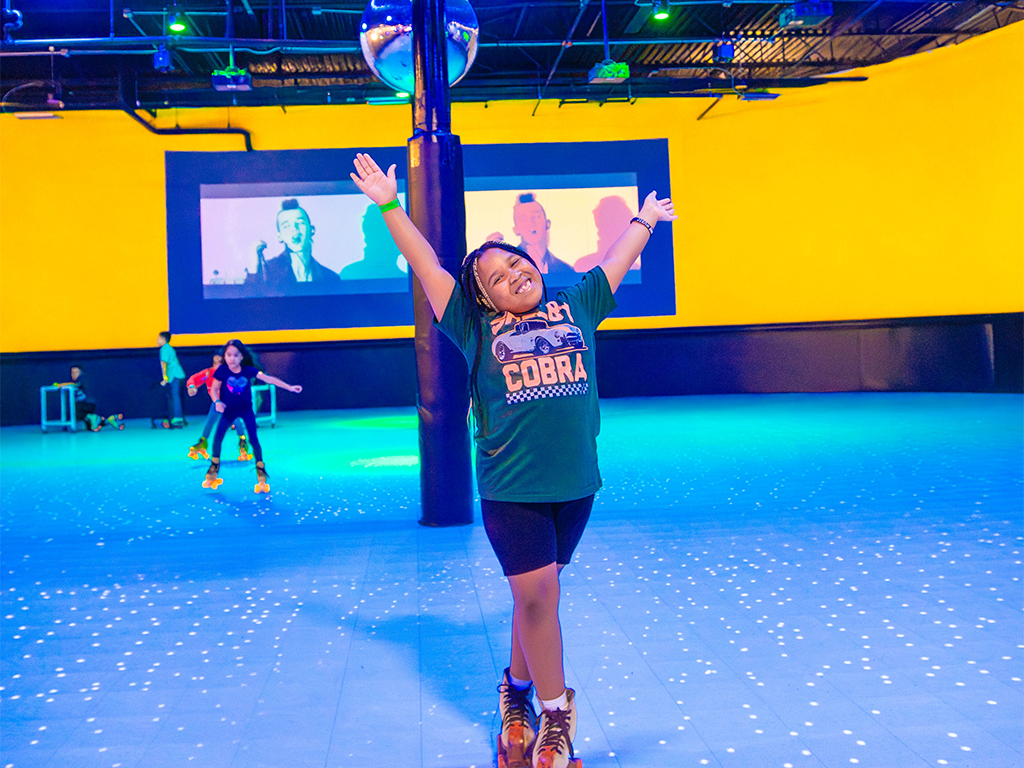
(169, 356)
(534, 394)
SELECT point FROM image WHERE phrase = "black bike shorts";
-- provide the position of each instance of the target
(528, 536)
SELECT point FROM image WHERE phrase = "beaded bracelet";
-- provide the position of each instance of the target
(389, 206)
(638, 220)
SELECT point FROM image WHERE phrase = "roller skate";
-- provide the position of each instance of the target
(518, 723)
(93, 422)
(116, 420)
(553, 746)
(212, 481)
(261, 479)
(199, 449)
(243, 449)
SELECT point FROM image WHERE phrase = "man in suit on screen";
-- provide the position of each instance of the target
(294, 267)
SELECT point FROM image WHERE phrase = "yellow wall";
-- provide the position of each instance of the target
(900, 196)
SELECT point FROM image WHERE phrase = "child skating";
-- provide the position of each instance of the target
(231, 391)
(173, 376)
(536, 412)
(205, 376)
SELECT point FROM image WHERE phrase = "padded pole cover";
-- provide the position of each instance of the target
(437, 206)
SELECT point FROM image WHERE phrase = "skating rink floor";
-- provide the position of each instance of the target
(767, 581)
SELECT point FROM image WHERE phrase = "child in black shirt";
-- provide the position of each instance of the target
(85, 407)
(232, 395)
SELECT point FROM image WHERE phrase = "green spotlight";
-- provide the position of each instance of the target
(401, 95)
(176, 24)
(661, 10)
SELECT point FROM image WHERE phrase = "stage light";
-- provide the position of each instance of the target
(661, 10)
(162, 59)
(176, 23)
(401, 95)
(725, 52)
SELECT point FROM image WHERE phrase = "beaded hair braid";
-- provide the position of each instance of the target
(473, 287)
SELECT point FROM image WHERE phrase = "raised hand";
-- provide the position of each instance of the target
(654, 210)
(372, 181)
(256, 250)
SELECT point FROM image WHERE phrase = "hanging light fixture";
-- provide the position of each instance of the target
(661, 10)
(176, 23)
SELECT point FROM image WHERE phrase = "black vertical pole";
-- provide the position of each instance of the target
(437, 206)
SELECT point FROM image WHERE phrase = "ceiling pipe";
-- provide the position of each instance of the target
(565, 44)
(229, 21)
(176, 131)
(727, 3)
(147, 44)
(189, 131)
(16, 23)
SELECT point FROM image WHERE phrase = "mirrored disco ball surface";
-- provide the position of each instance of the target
(385, 34)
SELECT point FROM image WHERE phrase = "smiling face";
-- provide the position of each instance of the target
(233, 358)
(294, 230)
(512, 283)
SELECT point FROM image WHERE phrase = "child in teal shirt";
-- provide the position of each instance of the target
(535, 402)
(173, 378)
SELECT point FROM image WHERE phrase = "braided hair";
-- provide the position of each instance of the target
(473, 288)
(469, 276)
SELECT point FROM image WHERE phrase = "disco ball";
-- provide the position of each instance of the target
(385, 34)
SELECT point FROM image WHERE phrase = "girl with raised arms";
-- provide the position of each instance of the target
(536, 409)
(231, 392)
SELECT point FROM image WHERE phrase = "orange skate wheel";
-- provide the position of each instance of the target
(517, 758)
(545, 761)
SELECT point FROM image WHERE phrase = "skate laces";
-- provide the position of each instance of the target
(518, 705)
(555, 731)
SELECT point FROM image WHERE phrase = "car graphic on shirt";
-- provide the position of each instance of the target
(536, 337)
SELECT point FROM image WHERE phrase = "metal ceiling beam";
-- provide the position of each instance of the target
(194, 44)
(145, 43)
(565, 44)
(842, 28)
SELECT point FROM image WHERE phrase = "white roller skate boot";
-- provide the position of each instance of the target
(553, 747)
(518, 724)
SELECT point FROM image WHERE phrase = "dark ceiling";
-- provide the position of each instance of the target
(93, 54)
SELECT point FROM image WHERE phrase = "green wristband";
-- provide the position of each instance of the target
(389, 206)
